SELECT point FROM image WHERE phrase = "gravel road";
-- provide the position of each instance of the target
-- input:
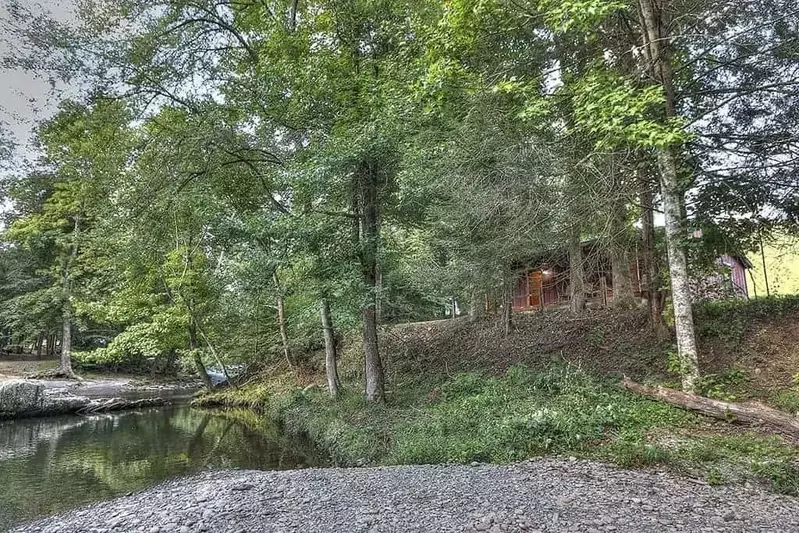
(545, 495)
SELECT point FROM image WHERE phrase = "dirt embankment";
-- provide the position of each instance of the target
(758, 339)
(597, 340)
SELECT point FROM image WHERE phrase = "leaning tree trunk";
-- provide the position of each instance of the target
(656, 41)
(331, 365)
(576, 272)
(369, 246)
(197, 355)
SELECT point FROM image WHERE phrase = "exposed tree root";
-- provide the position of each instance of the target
(117, 404)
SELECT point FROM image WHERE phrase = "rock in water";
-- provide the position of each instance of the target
(23, 398)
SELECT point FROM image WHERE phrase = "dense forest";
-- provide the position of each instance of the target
(244, 182)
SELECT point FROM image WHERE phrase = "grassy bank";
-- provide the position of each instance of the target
(520, 414)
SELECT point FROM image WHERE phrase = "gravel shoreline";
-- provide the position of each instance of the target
(545, 495)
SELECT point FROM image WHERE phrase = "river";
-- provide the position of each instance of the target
(48, 465)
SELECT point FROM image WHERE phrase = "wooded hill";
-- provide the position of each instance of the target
(244, 180)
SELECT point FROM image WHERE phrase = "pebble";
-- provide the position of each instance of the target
(543, 496)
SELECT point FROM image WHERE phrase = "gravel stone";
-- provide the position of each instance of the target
(525, 497)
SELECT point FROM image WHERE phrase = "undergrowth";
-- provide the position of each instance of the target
(522, 414)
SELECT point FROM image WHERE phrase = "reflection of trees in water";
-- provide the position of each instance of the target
(53, 464)
(19, 438)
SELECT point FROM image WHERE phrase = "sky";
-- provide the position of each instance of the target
(26, 98)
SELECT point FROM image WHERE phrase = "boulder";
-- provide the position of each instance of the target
(21, 398)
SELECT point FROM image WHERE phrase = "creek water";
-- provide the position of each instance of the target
(49, 465)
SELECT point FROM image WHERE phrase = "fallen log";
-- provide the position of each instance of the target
(105, 405)
(751, 413)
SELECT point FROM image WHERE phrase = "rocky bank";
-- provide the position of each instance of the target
(25, 398)
(21, 398)
(545, 495)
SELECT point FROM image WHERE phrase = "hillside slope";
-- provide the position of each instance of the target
(753, 345)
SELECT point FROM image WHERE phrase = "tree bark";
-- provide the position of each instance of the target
(656, 41)
(281, 320)
(369, 246)
(743, 413)
(678, 271)
(650, 257)
(51, 344)
(477, 305)
(331, 364)
(623, 297)
(197, 356)
(378, 278)
(507, 306)
(66, 311)
(763, 262)
(215, 355)
(66, 342)
(39, 344)
(576, 272)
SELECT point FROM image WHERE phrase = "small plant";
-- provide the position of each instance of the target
(597, 337)
(787, 400)
(674, 363)
(714, 477)
(723, 386)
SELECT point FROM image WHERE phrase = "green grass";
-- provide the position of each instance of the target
(522, 414)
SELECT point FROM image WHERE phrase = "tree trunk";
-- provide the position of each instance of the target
(66, 342)
(656, 42)
(369, 246)
(197, 355)
(378, 278)
(39, 344)
(678, 271)
(477, 305)
(214, 354)
(763, 262)
(623, 297)
(576, 272)
(281, 320)
(746, 413)
(507, 305)
(66, 312)
(650, 257)
(331, 365)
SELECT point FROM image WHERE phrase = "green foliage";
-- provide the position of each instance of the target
(142, 347)
(472, 417)
(728, 320)
(726, 386)
(748, 455)
(522, 414)
(615, 111)
(230, 177)
(578, 15)
(748, 309)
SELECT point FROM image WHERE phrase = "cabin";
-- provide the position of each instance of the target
(543, 282)
(728, 280)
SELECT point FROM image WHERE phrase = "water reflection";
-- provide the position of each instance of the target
(49, 465)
